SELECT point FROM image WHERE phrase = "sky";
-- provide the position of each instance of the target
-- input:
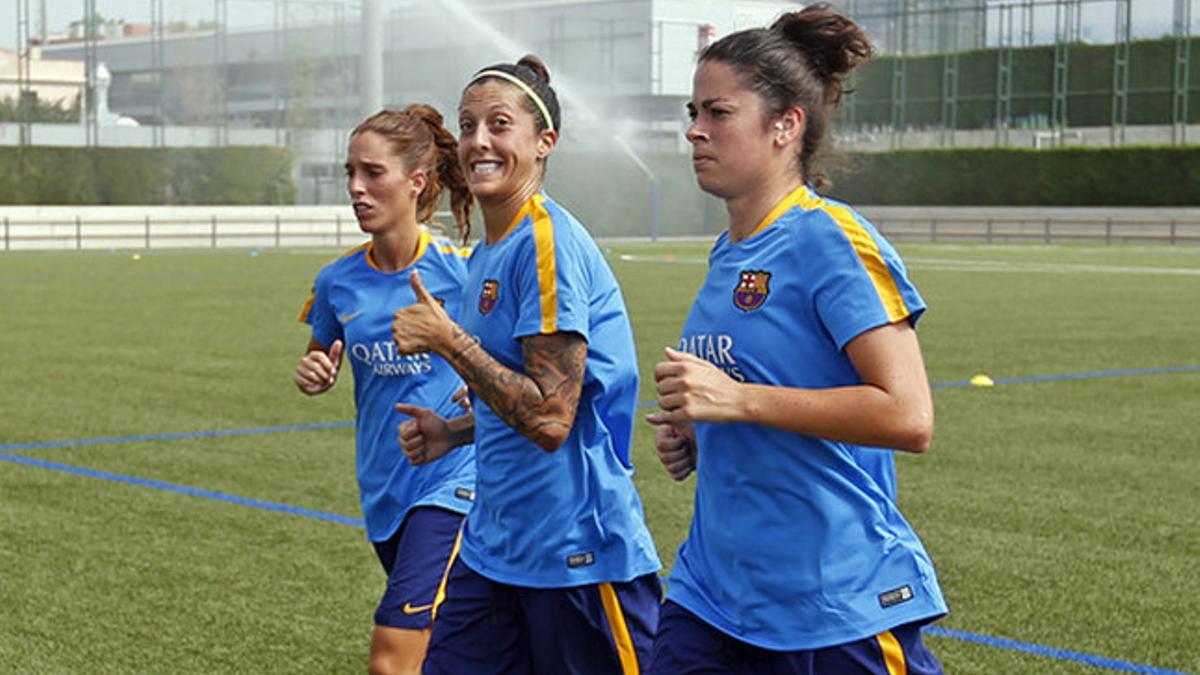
(1152, 18)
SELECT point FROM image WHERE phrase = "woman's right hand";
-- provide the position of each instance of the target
(675, 444)
(318, 371)
(426, 437)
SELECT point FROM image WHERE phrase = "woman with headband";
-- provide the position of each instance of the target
(396, 166)
(556, 568)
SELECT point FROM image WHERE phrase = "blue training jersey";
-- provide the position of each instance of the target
(572, 516)
(794, 544)
(354, 301)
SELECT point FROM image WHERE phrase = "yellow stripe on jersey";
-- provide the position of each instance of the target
(304, 312)
(423, 242)
(893, 654)
(794, 198)
(528, 208)
(440, 597)
(868, 252)
(460, 251)
(543, 238)
(620, 630)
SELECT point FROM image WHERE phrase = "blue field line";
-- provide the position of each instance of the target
(1074, 376)
(999, 643)
(1050, 652)
(957, 384)
(183, 489)
(174, 437)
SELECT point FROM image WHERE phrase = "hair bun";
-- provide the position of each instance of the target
(833, 44)
(426, 113)
(535, 64)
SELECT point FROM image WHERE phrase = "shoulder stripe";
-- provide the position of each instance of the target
(868, 252)
(543, 237)
(307, 309)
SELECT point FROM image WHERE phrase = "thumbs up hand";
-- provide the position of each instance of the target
(318, 371)
(424, 325)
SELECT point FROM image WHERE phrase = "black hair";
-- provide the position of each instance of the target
(532, 72)
(802, 60)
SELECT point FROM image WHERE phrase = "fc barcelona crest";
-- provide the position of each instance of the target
(751, 291)
(489, 295)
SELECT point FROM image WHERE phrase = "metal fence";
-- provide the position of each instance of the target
(100, 228)
(1034, 225)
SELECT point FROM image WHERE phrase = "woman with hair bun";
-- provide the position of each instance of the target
(556, 571)
(396, 166)
(798, 359)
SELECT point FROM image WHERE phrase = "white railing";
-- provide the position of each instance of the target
(84, 228)
(90, 228)
(1038, 225)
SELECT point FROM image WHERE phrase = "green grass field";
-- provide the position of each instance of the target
(1063, 513)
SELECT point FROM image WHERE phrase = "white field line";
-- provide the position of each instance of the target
(953, 265)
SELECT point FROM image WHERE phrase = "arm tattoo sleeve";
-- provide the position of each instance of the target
(540, 403)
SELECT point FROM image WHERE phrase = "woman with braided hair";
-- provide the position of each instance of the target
(798, 360)
(396, 166)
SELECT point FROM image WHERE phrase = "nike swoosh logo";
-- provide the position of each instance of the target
(409, 609)
(347, 318)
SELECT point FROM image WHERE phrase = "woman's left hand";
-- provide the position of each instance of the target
(424, 325)
(691, 389)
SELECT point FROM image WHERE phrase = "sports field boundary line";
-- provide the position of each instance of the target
(1087, 375)
(957, 384)
(183, 489)
(104, 440)
(938, 631)
(1048, 652)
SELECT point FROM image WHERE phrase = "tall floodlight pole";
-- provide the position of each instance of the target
(371, 57)
(25, 97)
(1179, 96)
(91, 63)
(157, 64)
(221, 72)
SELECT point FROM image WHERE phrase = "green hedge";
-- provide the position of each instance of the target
(54, 175)
(1128, 176)
(1089, 87)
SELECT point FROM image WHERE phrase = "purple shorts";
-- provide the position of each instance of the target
(687, 645)
(416, 559)
(488, 628)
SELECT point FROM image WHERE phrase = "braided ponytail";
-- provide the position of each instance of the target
(447, 171)
(419, 139)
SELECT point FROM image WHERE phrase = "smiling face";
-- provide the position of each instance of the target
(734, 146)
(499, 144)
(382, 192)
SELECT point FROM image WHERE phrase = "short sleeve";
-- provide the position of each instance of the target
(552, 282)
(860, 282)
(320, 314)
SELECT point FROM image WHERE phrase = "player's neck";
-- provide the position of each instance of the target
(498, 214)
(395, 248)
(747, 211)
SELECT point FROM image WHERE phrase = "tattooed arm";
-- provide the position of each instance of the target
(539, 404)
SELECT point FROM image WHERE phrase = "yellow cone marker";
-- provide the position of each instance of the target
(982, 380)
(137, 256)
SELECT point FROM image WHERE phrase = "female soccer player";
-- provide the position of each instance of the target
(556, 569)
(396, 165)
(799, 352)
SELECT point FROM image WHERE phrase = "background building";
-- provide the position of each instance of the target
(300, 73)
